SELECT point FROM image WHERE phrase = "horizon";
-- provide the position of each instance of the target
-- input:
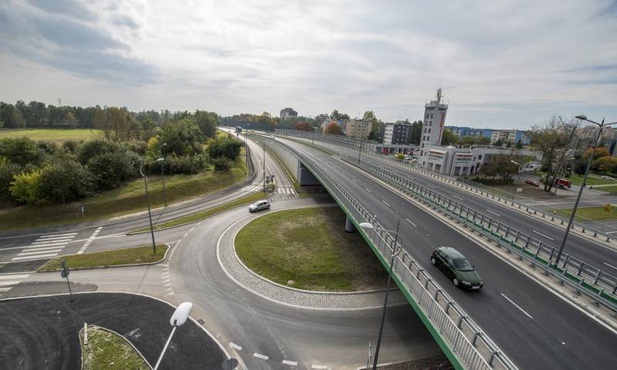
(501, 66)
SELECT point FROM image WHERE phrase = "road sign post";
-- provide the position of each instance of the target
(65, 274)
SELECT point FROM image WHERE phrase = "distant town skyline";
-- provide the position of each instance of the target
(504, 65)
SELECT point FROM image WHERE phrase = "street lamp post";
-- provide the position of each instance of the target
(519, 176)
(601, 126)
(177, 319)
(264, 145)
(395, 252)
(143, 174)
(161, 160)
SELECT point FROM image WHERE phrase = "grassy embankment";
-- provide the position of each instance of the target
(108, 351)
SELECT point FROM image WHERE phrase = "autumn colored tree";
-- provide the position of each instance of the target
(333, 128)
(303, 126)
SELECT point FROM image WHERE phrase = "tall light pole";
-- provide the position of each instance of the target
(519, 176)
(395, 252)
(141, 170)
(177, 319)
(161, 160)
(601, 126)
(264, 145)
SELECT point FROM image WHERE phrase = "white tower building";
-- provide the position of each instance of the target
(432, 126)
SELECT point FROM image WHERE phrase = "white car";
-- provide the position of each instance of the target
(259, 205)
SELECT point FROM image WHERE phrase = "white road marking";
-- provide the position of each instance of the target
(291, 363)
(517, 306)
(408, 220)
(539, 233)
(235, 346)
(53, 236)
(259, 355)
(354, 180)
(90, 239)
(367, 189)
(496, 214)
(35, 257)
(384, 202)
(319, 366)
(456, 197)
(43, 250)
(609, 265)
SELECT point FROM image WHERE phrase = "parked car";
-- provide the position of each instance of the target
(532, 182)
(259, 205)
(454, 264)
(563, 183)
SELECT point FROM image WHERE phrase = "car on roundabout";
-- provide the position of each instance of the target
(457, 267)
(259, 205)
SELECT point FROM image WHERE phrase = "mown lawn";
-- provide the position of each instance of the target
(56, 135)
(308, 249)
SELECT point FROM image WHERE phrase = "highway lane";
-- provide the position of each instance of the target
(585, 247)
(283, 333)
(549, 330)
(248, 325)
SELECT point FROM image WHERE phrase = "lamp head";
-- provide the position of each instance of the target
(366, 225)
(581, 117)
(160, 159)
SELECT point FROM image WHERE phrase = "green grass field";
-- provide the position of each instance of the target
(308, 249)
(57, 136)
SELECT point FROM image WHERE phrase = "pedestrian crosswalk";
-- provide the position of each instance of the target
(8, 281)
(45, 246)
(280, 192)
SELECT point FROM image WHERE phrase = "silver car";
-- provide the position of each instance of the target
(259, 205)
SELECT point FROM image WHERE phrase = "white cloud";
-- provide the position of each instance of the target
(501, 64)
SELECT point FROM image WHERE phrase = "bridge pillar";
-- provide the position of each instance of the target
(349, 226)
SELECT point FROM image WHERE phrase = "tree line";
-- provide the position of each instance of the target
(43, 172)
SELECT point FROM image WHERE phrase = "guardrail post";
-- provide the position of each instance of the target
(475, 337)
(460, 321)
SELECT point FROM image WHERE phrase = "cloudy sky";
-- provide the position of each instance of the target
(501, 64)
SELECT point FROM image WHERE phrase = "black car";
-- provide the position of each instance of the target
(457, 267)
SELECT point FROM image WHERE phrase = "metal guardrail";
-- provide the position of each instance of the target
(597, 229)
(586, 278)
(575, 272)
(463, 338)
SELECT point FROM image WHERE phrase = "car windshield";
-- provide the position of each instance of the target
(463, 265)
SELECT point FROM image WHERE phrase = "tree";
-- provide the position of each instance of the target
(21, 151)
(110, 169)
(224, 146)
(207, 122)
(11, 116)
(604, 164)
(557, 141)
(416, 132)
(182, 137)
(333, 128)
(25, 188)
(64, 181)
(303, 126)
(448, 138)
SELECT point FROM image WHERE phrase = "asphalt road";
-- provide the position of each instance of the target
(43, 332)
(520, 315)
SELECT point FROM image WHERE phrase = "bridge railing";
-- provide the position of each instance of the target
(573, 271)
(464, 339)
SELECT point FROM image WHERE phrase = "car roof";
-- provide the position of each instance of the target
(452, 252)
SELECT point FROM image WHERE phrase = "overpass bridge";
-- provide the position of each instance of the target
(462, 339)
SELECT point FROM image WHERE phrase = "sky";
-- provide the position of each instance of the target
(501, 64)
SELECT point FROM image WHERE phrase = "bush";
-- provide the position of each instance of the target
(186, 164)
(222, 163)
